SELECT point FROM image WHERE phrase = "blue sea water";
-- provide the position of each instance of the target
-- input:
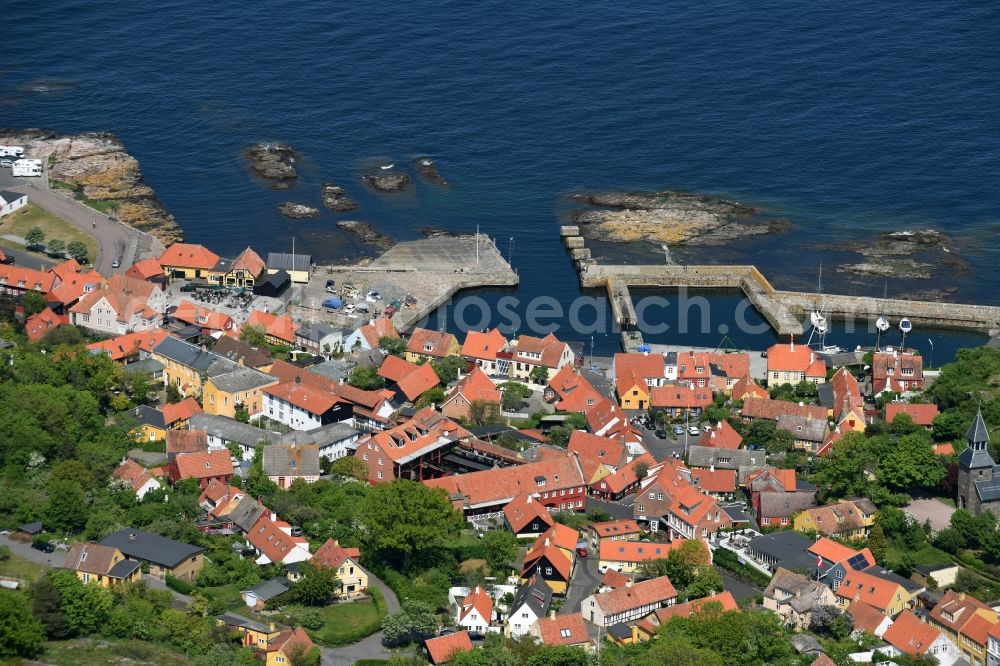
(846, 117)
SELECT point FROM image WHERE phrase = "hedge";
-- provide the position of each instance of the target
(729, 561)
(178, 585)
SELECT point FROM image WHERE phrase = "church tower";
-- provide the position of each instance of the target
(974, 465)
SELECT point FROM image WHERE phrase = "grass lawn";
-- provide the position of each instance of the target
(927, 556)
(227, 594)
(33, 215)
(20, 568)
(86, 651)
(343, 623)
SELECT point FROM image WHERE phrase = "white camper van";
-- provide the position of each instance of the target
(27, 168)
(11, 151)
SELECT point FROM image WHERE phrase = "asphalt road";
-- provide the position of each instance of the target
(26, 260)
(366, 648)
(586, 577)
(113, 238)
(25, 551)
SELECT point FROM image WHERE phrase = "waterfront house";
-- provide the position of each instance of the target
(629, 603)
(909, 635)
(202, 466)
(556, 481)
(164, 556)
(485, 349)
(791, 364)
(104, 565)
(366, 337)
(695, 369)
(298, 266)
(475, 613)
(531, 602)
(149, 270)
(188, 261)
(285, 463)
(474, 387)
(245, 271)
(442, 649)
(137, 476)
(407, 380)
(568, 630)
(897, 371)
(352, 578)
(526, 517)
(530, 352)
(794, 597)
(122, 305)
(425, 345)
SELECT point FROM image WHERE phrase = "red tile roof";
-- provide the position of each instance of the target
(717, 481)
(523, 509)
(910, 635)
(559, 535)
(475, 386)
(655, 590)
(202, 317)
(832, 551)
(897, 362)
(612, 528)
(395, 368)
(332, 554)
(271, 537)
(920, 414)
(129, 344)
(204, 465)
(503, 484)
(180, 411)
(748, 387)
(721, 436)
(553, 555)
(289, 638)
(789, 357)
(549, 350)
(73, 284)
(735, 364)
(281, 327)
(42, 322)
(380, 328)
(133, 472)
(625, 476)
(483, 346)
(595, 451)
(430, 343)
(688, 609)
(680, 396)
(145, 269)
(303, 396)
(444, 648)
(846, 393)
(944, 449)
(872, 590)
(765, 408)
(12, 276)
(186, 441)
(423, 378)
(189, 255)
(249, 261)
(573, 392)
(635, 551)
(646, 366)
(614, 579)
(865, 617)
(563, 630)
(477, 600)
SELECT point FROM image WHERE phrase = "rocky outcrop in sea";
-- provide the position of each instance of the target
(367, 233)
(335, 198)
(298, 211)
(914, 254)
(273, 161)
(428, 170)
(388, 181)
(96, 166)
(670, 217)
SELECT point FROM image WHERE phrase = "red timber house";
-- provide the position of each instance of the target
(897, 371)
(667, 500)
(413, 450)
(570, 391)
(556, 482)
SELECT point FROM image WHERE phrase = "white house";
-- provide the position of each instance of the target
(123, 305)
(335, 440)
(11, 201)
(303, 407)
(531, 603)
(531, 352)
(632, 602)
(476, 611)
(140, 479)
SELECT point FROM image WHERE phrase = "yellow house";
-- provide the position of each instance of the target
(889, 597)
(287, 644)
(239, 389)
(426, 345)
(152, 427)
(967, 622)
(103, 565)
(633, 392)
(351, 576)
(256, 635)
(849, 519)
(190, 261)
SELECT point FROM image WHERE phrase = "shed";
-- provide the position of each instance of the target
(275, 284)
(31, 529)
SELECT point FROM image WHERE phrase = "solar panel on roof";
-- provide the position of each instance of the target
(858, 562)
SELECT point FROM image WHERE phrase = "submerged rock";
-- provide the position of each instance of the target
(920, 254)
(273, 161)
(335, 198)
(434, 232)
(388, 181)
(676, 218)
(298, 211)
(428, 170)
(96, 166)
(367, 233)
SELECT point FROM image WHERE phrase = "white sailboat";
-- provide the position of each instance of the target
(820, 326)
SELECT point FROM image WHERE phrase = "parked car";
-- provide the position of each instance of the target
(330, 284)
(661, 434)
(187, 288)
(582, 552)
(44, 546)
(116, 263)
(678, 430)
(693, 430)
(6, 163)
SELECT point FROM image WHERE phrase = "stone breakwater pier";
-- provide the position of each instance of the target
(785, 311)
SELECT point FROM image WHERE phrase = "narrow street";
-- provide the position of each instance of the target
(366, 648)
(585, 579)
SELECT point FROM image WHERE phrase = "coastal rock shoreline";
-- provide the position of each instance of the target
(273, 161)
(98, 168)
(367, 233)
(298, 211)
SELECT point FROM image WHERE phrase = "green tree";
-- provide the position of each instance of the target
(394, 346)
(483, 412)
(87, 607)
(760, 431)
(173, 395)
(317, 585)
(431, 521)
(35, 237)
(21, 635)
(78, 250)
(950, 426)
(432, 396)
(55, 247)
(33, 302)
(539, 374)
(705, 582)
(447, 368)
(254, 335)
(46, 605)
(500, 547)
(415, 620)
(139, 388)
(831, 622)
(67, 507)
(7, 308)
(349, 467)
(911, 463)
(559, 435)
(781, 441)
(877, 543)
(364, 378)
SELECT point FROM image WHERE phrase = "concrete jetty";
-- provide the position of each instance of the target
(430, 271)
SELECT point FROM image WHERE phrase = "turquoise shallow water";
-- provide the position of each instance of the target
(846, 117)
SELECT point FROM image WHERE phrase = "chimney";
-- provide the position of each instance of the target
(204, 347)
(271, 626)
(298, 379)
(628, 583)
(547, 544)
(552, 614)
(711, 468)
(791, 343)
(131, 536)
(274, 516)
(812, 358)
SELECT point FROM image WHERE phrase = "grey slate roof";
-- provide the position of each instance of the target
(707, 456)
(803, 427)
(784, 505)
(148, 416)
(989, 491)
(148, 366)
(907, 584)
(978, 431)
(237, 620)
(269, 589)
(287, 261)
(241, 379)
(536, 595)
(154, 548)
(124, 569)
(825, 391)
(804, 643)
(335, 369)
(242, 353)
(247, 513)
(316, 332)
(788, 548)
(975, 458)
(291, 460)
(186, 354)
(332, 433)
(232, 430)
(736, 512)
